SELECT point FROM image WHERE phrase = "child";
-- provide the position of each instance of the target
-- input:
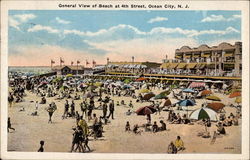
(127, 127)
(86, 143)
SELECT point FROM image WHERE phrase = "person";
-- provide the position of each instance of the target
(84, 108)
(155, 127)
(179, 144)
(95, 125)
(50, 110)
(131, 104)
(77, 117)
(41, 149)
(220, 128)
(135, 129)
(86, 141)
(36, 105)
(84, 126)
(9, 125)
(66, 109)
(128, 113)
(111, 109)
(117, 103)
(163, 126)
(104, 110)
(90, 109)
(72, 108)
(43, 100)
(127, 127)
(76, 138)
(171, 148)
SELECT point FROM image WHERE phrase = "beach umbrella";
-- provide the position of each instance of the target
(98, 84)
(213, 98)
(69, 75)
(89, 95)
(238, 100)
(167, 103)
(141, 79)
(206, 92)
(126, 86)
(186, 102)
(188, 90)
(43, 83)
(216, 106)
(145, 110)
(160, 96)
(166, 92)
(235, 94)
(204, 113)
(144, 90)
(127, 81)
(148, 96)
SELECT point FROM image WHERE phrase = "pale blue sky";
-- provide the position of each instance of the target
(97, 33)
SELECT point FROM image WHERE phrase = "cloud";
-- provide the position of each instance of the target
(59, 20)
(43, 28)
(24, 17)
(157, 19)
(219, 18)
(123, 31)
(16, 20)
(14, 23)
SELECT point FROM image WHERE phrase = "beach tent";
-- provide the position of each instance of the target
(213, 98)
(216, 106)
(235, 94)
(204, 113)
(145, 110)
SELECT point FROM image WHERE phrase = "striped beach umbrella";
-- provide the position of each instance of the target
(204, 113)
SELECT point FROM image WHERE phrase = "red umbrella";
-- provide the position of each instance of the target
(141, 79)
(216, 106)
(146, 110)
(205, 92)
(235, 94)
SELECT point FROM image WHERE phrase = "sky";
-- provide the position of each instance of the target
(37, 36)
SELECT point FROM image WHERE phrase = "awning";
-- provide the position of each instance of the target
(228, 55)
(206, 55)
(196, 55)
(210, 66)
(165, 65)
(172, 65)
(191, 65)
(181, 65)
(178, 56)
(200, 66)
(187, 56)
(229, 66)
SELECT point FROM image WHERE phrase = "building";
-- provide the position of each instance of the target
(64, 70)
(222, 60)
(131, 67)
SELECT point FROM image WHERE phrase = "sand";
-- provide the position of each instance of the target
(58, 135)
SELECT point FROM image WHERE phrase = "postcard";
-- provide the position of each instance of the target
(124, 80)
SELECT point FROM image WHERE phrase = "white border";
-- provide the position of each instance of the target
(53, 5)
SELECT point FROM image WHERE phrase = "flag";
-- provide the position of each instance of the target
(72, 63)
(61, 60)
(77, 62)
(87, 62)
(52, 62)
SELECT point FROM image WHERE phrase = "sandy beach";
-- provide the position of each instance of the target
(29, 130)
